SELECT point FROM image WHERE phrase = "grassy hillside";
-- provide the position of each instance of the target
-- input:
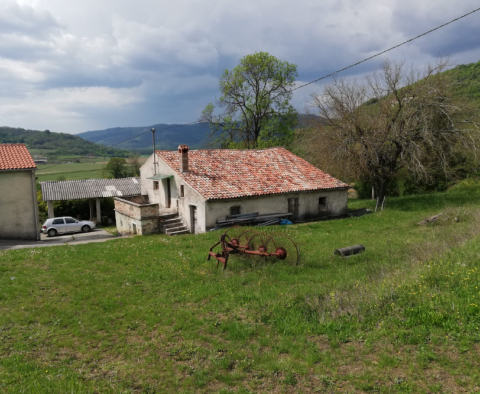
(150, 314)
(466, 82)
(57, 143)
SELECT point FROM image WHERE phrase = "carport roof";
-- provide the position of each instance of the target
(90, 188)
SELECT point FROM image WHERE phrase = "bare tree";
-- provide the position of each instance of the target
(394, 119)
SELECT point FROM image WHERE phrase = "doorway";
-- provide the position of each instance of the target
(134, 228)
(168, 203)
(193, 218)
(293, 208)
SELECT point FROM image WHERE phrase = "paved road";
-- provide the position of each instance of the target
(96, 235)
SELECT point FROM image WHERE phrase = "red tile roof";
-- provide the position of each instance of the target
(229, 173)
(15, 157)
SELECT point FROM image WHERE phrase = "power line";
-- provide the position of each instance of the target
(338, 71)
(386, 50)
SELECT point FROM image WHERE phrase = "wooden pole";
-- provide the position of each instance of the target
(99, 213)
(51, 213)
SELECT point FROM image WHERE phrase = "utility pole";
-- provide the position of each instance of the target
(154, 158)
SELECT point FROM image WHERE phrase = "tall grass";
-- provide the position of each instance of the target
(150, 314)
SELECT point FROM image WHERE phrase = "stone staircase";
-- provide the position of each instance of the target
(172, 224)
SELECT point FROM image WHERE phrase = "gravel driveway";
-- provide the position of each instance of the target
(96, 235)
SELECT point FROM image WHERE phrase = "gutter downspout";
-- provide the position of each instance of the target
(35, 206)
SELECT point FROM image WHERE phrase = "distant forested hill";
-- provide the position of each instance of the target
(167, 137)
(60, 143)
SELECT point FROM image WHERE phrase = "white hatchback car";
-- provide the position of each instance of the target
(54, 226)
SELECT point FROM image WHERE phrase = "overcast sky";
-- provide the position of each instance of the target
(73, 66)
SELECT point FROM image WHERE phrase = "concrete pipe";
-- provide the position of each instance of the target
(349, 250)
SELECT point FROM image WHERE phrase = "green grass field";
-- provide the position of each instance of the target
(70, 171)
(87, 168)
(150, 315)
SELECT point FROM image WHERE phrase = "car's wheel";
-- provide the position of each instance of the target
(52, 232)
(85, 229)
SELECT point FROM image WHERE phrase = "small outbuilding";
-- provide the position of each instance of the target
(190, 190)
(18, 194)
(92, 189)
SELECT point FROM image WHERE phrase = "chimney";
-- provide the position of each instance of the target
(183, 157)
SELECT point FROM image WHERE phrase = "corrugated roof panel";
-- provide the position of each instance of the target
(89, 188)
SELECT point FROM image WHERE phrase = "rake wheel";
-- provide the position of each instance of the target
(287, 249)
(238, 235)
(263, 243)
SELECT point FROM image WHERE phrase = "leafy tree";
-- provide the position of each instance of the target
(396, 120)
(256, 95)
(117, 167)
(135, 163)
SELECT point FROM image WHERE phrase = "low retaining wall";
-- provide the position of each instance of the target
(135, 218)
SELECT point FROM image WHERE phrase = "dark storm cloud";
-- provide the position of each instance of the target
(458, 37)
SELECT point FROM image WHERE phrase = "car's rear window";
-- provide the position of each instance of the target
(58, 221)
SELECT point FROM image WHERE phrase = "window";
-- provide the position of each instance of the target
(155, 185)
(58, 221)
(70, 220)
(322, 202)
(234, 210)
(182, 191)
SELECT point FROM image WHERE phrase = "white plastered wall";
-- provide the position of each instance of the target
(191, 197)
(18, 205)
(278, 203)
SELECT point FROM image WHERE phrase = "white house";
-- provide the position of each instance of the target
(203, 186)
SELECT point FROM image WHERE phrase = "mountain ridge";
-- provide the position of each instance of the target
(167, 136)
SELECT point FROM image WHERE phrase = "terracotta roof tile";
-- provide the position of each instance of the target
(229, 173)
(15, 157)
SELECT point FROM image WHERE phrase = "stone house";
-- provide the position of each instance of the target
(18, 194)
(189, 190)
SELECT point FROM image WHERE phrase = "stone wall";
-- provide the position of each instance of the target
(138, 199)
(128, 225)
(134, 210)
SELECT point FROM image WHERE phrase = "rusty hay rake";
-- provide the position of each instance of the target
(248, 242)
